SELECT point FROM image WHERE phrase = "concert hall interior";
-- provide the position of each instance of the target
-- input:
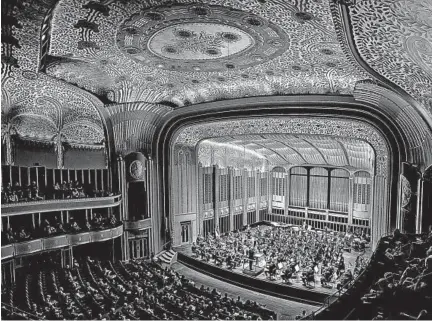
(216, 159)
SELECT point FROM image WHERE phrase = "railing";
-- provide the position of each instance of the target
(68, 204)
(137, 225)
(43, 244)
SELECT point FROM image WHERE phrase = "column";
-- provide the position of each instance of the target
(419, 213)
(245, 195)
(216, 197)
(350, 198)
(307, 186)
(257, 194)
(287, 191)
(200, 217)
(231, 202)
(270, 191)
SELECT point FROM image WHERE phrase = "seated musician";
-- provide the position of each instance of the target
(287, 275)
(271, 270)
(218, 258)
(229, 262)
(344, 280)
(327, 276)
(308, 276)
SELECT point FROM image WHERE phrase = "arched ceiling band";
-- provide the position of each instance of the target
(290, 147)
(315, 148)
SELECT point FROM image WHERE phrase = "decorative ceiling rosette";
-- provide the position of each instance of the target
(186, 53)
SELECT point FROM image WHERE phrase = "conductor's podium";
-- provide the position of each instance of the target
(257, 267)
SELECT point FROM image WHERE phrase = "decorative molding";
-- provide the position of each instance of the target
(134, 125)
(59, 205)
(337, 129)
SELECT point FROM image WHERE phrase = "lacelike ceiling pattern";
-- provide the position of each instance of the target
(315, 150)
(395, 39)
(34, 105)
(286, 47)
(134, 125)
(287, 149)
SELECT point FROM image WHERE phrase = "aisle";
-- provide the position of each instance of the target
(286, 310)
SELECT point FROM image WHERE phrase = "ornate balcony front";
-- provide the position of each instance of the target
(68, 204)
(137, 225)
(59, 241)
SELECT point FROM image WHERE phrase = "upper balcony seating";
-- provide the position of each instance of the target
(67, 190)
(137, 290)
(24, 184)
(55, 227)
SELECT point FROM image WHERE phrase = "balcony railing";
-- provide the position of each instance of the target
(137, 225)
(68, 204)
(50, 243)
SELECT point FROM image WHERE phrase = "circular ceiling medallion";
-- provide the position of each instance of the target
(218, 38)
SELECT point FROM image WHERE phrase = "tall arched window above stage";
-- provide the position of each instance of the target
(208, 188)
(263, 184)
(319, 188)
(223, 187)
(238, 185)
(278, 182)
(362, 194)
(339, 190)
(298, 189)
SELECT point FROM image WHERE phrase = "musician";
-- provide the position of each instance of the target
(288, 273)
(251, 257)
(327, 275)
(308, 276)
(271, 271)
(218, 258)
(229, 261)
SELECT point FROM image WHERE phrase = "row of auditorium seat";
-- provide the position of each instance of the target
(93, 289)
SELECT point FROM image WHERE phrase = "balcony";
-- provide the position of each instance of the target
(137, 225)
(68, 204)
(55, 242)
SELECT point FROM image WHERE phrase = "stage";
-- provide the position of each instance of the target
(277, 287)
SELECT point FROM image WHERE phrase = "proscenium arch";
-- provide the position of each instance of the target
(345, 108)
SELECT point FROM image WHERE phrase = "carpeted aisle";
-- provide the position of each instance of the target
(286, 310)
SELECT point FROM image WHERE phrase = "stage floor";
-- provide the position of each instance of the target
(349, 257)
(285, 309)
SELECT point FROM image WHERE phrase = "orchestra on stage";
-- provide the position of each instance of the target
(285, 252)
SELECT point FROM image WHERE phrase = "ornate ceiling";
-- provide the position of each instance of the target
(38, 107)
(287, 149)
(59, 56)
(316, 141)
(34, 105)
(395, 39)
(188, 53)
(134, 125)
